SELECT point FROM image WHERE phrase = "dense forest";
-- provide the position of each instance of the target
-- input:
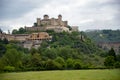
(66, 51)
(104, 35)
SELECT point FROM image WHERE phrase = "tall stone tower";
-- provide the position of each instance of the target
(38, 21)
(46, 17)
(60, 19)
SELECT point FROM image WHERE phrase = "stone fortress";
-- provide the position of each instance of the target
(41, 26)
(51, 24)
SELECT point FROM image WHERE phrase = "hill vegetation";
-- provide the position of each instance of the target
(66, 51)
(104, 35)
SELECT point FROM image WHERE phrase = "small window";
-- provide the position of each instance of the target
(38, 35)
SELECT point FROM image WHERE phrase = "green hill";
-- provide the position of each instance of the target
(104, 35)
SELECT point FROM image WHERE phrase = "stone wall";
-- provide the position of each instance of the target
(46, 23)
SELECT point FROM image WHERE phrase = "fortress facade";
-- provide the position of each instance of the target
(56, 24)
(40, 26)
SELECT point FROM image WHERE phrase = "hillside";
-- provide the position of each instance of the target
(104, 35)
(65, 51)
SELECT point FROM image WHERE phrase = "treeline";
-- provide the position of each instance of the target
(65, 51)
(104, 35)
(112, 60)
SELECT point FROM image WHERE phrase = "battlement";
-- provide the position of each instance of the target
(50, 22)
(56, 24)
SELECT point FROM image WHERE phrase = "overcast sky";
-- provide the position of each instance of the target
(87, 14)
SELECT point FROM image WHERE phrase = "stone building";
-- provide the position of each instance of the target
(49, 24)
(28, 40)
(74, 28)
(39, 36)
(35, 39)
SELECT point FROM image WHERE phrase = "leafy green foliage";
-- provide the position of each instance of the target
(66, 51)
(77, 65)
(20, 31)
(9, 68)
(61, 61)
(109, 61)
(112, 53)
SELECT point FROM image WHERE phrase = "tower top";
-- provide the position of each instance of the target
(46, 16)
(59, 15)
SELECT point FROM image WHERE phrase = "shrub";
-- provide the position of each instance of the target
(9, 68)
(117, 64)
(77, 65)
(109, 62)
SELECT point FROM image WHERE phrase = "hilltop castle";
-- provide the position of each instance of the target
(50, 24)
(40, 26)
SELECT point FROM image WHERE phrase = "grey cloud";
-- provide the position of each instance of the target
(92, 10)
(5, 28)
(16, 8)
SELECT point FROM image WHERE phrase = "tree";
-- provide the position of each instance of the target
(36, 60)
(15, 31)
(33, 51)
(5, 41)
(51, 65)
(2, 49)
(1, 65)
(112, 53)
(77, 65)
(70, 62)
(61, 61)
(65, 52)
(1, 31)
(50, 53)
(109, 62)
(117, 64)
(12, 58)
(21, 30)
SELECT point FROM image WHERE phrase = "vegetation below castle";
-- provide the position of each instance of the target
(65, 51)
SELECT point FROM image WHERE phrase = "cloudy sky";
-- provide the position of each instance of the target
(87, 14)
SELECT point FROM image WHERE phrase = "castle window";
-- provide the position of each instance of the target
(38, 36)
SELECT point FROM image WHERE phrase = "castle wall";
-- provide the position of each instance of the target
(35, 28)
(45, 24)
(55, 22)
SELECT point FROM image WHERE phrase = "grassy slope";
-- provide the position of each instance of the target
(64, 75)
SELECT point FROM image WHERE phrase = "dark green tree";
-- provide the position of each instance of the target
(21, 30)
(51, 65)
(70, 63)
(109, 62)
(12, 58)
(61, 61)
(117, 64)
(1, 31)
(77, 65)
(2, 49)
(50, 53)
(5, 41)
(33, 51)
(36, 60)
(112, 53)
(15, 31)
